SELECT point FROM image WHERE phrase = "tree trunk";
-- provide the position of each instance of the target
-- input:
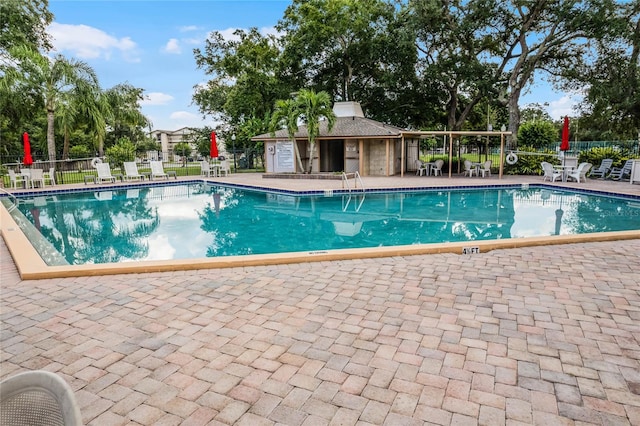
(51, 139)
(65, 146)
(514, 115)
(297, 151)
(312, 148)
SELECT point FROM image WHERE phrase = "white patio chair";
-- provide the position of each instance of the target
(580, 172)
(205, 168)
(436, 169)
(131, 171)
(420, 168)
(50, 176)
(37, 175)
(104, 173)
(223, 167)
(549, 172)
(16, 179)
(485, 169)
(469, 170)
(38, 398)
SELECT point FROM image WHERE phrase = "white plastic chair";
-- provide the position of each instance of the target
(549, 172)
(37, 175)
(16, 179)
(420, 168)
(436, 169)
(38, 398)
(205, 168)
(469, 170)
(580, 172)
(223, 167)
(485, 169)
(50, 176)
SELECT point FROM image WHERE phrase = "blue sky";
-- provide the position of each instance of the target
(149, 44)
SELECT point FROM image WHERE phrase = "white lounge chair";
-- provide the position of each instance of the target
(104, 173)
(550, 173)
(580, 172)
(38, 398)
(157, 170)
(131, 171)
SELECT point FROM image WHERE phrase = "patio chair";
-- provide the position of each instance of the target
(16, 179)
(421, 168)
(131, 171)
(469, 170)
(619, 173)
(436, 169)
(549, 172)
(602, 170)
(38, 398)
(580, 172)
(157, 170)
(205, 168)
(104, 173)
(37, 175)
(485, 169)
(50, 176)
(223, 167)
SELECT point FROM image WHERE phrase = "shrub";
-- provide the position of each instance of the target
(123, 150)
(537, 134)
(79, 151)
(529, 164)
(596, 155)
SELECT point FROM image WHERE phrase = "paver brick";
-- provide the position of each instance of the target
(524, 336)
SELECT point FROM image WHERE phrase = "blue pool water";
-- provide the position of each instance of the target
(196, 220)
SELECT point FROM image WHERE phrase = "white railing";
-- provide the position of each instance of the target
(14, 204)
(356, 177)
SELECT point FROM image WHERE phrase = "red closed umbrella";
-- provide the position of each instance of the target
(214, 146)
(564, 146)
(28, 160)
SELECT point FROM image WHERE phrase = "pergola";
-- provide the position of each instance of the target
(451, 134)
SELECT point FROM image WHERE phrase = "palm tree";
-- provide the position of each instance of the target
(314, 106)
(285, 114)
(308, 107)
(52, 80)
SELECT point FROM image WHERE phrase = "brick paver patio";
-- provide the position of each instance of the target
(542, 335)
(545, 335)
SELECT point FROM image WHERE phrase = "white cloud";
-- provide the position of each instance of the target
(188, 28)
(87, 42)
(156, 98)
(561, 107)
(173, 46)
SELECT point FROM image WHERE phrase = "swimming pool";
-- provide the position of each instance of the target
(200, 220)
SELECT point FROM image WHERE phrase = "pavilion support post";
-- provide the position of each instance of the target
(450, 153)
(501, 155)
